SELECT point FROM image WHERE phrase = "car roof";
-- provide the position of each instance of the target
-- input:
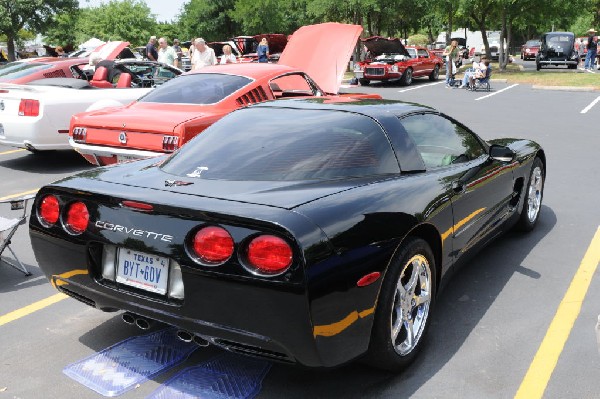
(370, 107)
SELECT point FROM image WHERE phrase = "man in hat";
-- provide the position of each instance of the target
(592, 50)
(178, 51)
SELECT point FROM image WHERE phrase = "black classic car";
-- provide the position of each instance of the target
(557, 48)
(312, 243)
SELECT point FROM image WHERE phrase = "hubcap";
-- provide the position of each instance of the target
(411, 305)
(408, 79)
(534, 195)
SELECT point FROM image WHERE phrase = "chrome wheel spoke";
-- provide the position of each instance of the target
(422, 299)
(409, 342)
(414, 277)
(396, 328)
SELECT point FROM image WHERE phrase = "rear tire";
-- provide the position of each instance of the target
(364, 82)
(404, 307)
(534, 193)
(435, 74)
(538, 66)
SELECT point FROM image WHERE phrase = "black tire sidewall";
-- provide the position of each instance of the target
(381, 352)
(524, 223)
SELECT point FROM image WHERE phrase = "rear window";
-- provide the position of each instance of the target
(15, 70)
(533, 43)
(286, 144)
(201, 88)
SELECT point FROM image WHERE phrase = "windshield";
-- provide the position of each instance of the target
(558, 40)
(15, 70)
(533, 43)
(199, 88)
(269, 144)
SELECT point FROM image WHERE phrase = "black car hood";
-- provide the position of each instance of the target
(281, 194)
(378, 45)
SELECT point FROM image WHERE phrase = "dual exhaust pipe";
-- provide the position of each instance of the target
(144, 324)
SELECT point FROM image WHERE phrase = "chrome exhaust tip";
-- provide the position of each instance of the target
(198, 340)
(143, 323)
(185, 336)
(128, 318)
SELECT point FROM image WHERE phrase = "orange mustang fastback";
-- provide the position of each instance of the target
(172, 114)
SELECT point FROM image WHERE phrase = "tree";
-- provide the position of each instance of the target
(34, 15)
(269, 16)
(208, 19)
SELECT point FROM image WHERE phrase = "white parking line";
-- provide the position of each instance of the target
(586, 109)
(420, 87)
(497, 92)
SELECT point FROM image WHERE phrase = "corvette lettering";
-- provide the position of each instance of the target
(133, 231)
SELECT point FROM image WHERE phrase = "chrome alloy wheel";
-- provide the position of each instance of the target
(534, 195)
(411, 305)
(408, 76)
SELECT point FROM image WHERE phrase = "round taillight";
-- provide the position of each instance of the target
(49, 210)
(78, 218)
(269, 255)
(213, 245)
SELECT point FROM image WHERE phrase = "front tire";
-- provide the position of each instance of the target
(364, 82)
(435, 74)
(404, 308)
(534, 193)
(407, 77)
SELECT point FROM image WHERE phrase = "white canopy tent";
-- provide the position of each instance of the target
(91, 44)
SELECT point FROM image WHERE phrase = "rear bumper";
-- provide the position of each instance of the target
(102, 155)
(33, 134)
(241, 316)
(557, 62)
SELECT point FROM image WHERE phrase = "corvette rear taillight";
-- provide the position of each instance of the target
(212, 245)
(269, 255)
(49, 210)
(29, 107)
(78, 218)
(79, 134)
(170, 143)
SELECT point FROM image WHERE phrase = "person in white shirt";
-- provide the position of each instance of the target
(228, 57)
(203, 55)
(477, 71)
(166, 53)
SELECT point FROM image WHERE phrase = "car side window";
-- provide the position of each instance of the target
(423, 53)
(440, 141)
(291, 85)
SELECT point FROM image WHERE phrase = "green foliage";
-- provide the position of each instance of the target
(418, 40)
(268, 16)
(208, 19)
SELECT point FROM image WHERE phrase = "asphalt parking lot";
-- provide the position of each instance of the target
(505, 313)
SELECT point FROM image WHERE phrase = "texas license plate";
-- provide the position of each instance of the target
(141, 270)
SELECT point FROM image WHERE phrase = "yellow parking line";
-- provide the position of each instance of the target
(34, 307)
(17, 195)
(11, 152)
(536, 380)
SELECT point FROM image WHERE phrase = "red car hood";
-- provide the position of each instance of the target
(312, 50)
(109, 50)
(146, 117)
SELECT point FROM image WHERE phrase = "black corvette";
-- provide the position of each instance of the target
(308, 231)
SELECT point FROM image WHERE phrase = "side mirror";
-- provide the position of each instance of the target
(501, 153)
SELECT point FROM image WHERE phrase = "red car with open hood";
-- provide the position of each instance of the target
(170, 115)
(388, 59)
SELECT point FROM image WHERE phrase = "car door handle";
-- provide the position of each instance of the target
(458, 187)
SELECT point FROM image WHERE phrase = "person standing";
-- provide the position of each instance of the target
(203, 55)
(166, 54)
(592, 49)
(151, 52)
(451, 54)
(178, 51)
(580, 52)
(263, 50)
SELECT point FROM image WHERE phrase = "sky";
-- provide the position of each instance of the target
(165, 10)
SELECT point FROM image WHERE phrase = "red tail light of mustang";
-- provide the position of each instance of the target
(29, 107)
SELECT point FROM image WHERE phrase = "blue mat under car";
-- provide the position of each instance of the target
(226, 376)
(122, 366)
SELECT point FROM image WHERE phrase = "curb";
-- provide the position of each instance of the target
(564, 88)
